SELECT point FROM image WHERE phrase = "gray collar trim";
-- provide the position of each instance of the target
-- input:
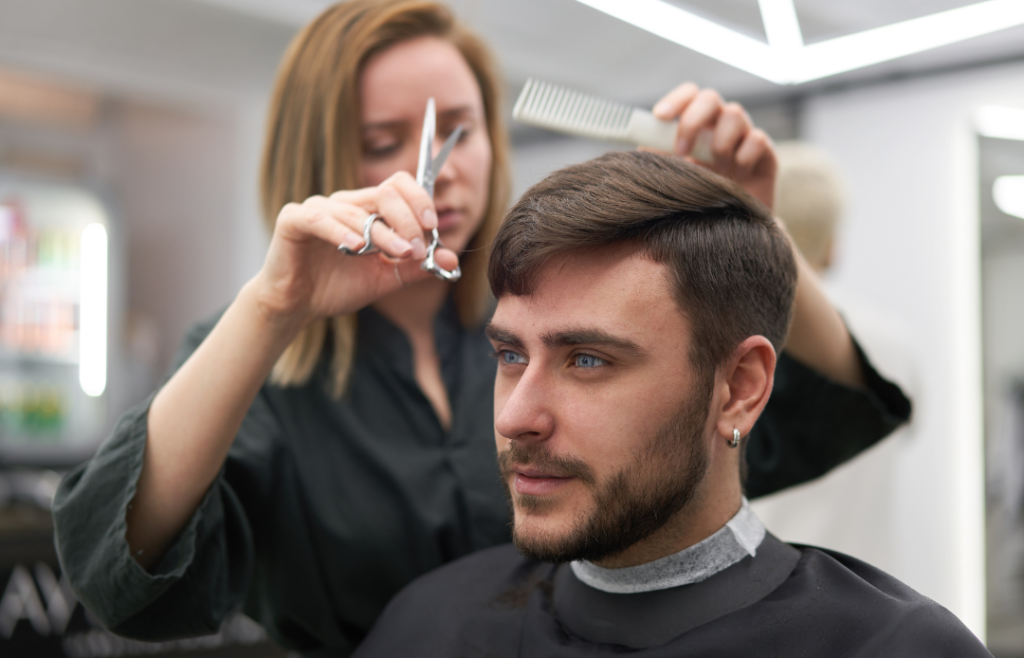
(736, 540)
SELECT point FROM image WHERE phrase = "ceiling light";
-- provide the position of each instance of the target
(1000, 122)
(784, 59)
(781, 25)
(696, 33)
(901, 39)
(1008, 193)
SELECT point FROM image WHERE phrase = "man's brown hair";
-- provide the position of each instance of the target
(731, 266)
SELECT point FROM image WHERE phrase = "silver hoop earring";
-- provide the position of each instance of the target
(735, 443)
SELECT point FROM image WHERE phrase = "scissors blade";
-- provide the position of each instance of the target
(442, 155)
(423, 169)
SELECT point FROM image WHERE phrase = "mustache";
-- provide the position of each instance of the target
(540, 457)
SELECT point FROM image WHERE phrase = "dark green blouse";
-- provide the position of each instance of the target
(326, 508)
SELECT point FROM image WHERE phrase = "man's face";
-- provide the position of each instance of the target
(600, 419)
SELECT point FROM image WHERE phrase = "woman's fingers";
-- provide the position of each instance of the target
(397, 233)
(417, 198)
(383, 236)
(730, 130)
(674, 102)
(702, 112)
(752, 152)
(314, 218)
(420, 204)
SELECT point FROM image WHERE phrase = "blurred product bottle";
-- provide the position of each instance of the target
(32, 408)
(38, 269)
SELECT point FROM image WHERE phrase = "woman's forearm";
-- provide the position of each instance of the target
(818, 337)
(194, 418)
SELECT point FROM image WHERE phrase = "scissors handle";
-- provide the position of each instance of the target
(429, 264)
(369, 247)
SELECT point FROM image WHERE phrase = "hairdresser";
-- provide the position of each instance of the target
(329, 437)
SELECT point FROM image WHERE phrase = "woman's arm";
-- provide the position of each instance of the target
(745, 154)
(818, 337)
(194, 418)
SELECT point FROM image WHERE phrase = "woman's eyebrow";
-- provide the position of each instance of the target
(390, 126)
(451, 114)
(455, 112)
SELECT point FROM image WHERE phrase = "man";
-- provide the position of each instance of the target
(641, 304)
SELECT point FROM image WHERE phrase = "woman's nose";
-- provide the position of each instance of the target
(447, 171)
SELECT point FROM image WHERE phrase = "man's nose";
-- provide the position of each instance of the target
(527, 414)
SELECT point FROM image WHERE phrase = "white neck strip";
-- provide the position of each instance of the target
(736, 540)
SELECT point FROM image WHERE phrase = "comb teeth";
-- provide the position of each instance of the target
(548, 105)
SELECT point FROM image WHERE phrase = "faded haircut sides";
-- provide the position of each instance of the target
(731, 266)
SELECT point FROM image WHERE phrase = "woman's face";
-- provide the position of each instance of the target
(395, 86)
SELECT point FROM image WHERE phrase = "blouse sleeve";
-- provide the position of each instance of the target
(203, 575)
(812, 424)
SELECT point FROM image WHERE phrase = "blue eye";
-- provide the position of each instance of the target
(589, 361)
(512, 358)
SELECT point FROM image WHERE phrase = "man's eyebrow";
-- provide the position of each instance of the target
(571, 337)
(501, 335)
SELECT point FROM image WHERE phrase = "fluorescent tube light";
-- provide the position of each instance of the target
(92, 322)
(786, 60)
(1008, 193)
(906, 38)
(781, 25)
(696, 33)
(1000, 122)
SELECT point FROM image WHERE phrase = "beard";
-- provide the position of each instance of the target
(661, 479)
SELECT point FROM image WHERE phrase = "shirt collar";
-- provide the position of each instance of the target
(736, 540)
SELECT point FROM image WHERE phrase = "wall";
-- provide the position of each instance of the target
(186, 188)
(910, 246)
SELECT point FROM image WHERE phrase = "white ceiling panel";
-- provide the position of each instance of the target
(227, 51)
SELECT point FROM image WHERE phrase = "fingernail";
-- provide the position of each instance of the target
(419, 250)
(402, 247)
(682, 147)
(353, 241)
(429, 218)
(660, 108)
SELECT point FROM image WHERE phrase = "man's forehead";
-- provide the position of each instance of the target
(618, 290)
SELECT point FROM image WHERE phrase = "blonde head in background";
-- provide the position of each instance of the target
(809, 198)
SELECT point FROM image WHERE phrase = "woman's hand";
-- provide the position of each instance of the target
(306, 277)
(740, 151)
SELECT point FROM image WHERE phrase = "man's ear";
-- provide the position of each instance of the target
(747, 379)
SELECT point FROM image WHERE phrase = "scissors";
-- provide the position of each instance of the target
(426, 174)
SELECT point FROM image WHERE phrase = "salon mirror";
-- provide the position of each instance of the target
(1001, 200)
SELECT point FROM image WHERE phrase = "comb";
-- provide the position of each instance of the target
(547, 105)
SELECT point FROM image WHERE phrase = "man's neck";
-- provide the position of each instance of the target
(698, 520)
(739, 538)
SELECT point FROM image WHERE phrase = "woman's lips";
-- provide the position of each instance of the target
(448, 219)
(537, 484)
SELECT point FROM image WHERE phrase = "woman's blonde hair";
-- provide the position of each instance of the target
(314, 141)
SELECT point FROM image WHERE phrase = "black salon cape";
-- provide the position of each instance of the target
(498, 604)
(326, 508)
